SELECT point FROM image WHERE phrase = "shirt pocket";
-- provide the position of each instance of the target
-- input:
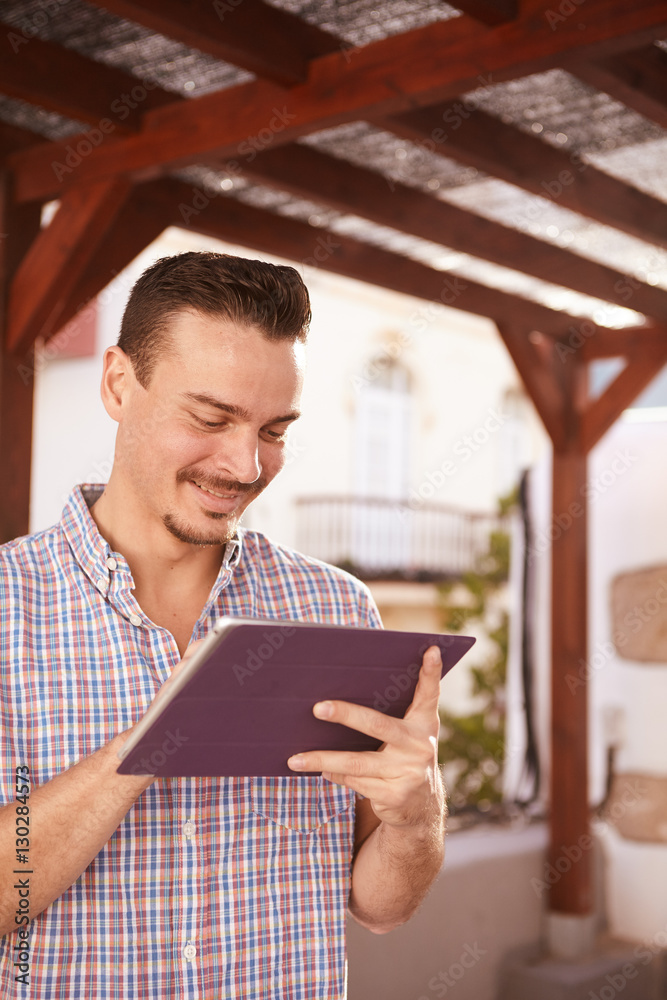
(299, 803)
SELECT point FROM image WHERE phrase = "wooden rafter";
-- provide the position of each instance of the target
(136, 225)
(637, 79)
(477, 139)
(602, 412)
(433, 63)
(540, 378)
(630, 342)
(63, 81)
(57, 258)
(254, 35)
(12, 137)
(491, 12)
(308, 173)
(230, 220)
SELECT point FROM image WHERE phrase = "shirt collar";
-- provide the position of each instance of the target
(91, 551)
(94, 554)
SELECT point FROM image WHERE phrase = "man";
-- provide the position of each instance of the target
(211, 888)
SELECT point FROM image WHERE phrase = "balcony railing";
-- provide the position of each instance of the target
(390, 538)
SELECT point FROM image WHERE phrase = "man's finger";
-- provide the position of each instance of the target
(366, 764)
(427, 692)
(363, 719)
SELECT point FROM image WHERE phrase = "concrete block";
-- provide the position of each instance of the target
(614, 970)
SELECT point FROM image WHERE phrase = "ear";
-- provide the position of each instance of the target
(117, 381)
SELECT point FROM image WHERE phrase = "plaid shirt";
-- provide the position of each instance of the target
(209, 888)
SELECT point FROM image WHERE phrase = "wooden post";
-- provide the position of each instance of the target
(557, 384)
(19, 225)
(569, 849)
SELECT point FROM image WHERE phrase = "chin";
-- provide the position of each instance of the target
(220, 534)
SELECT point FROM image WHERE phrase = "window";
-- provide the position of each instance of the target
(380, 533)
(382, 432)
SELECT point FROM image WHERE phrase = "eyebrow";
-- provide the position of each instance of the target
(234, 411)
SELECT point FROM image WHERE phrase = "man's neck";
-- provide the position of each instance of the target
(172, 579)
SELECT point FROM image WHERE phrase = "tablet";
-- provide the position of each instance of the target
(243, 703)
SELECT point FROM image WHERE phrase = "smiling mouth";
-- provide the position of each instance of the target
(221, 496)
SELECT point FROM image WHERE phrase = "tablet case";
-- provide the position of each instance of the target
(248, 707)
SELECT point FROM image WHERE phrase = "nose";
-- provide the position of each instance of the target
(238, 455)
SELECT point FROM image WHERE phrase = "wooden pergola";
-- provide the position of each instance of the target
(122, 179)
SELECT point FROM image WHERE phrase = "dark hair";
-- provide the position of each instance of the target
(270, 297)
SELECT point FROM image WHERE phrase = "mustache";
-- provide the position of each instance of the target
(219, 485)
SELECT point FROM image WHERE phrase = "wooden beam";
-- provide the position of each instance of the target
(418, 67)
(251, 34)
(230, 220)
(18, 227)
(12, 137)
(540, 377)
(56, 259)
(637, 79)
(477, 139)
(63, 81)
(630, 342)
(490, 12)
(602, 412)
(308, 173)
(137, 224)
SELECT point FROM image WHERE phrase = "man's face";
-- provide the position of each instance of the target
(208, 433)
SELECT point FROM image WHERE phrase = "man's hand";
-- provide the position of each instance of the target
(401, 779)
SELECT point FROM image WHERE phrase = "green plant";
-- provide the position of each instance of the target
(472, 746)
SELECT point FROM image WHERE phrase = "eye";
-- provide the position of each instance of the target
(276, 435)
(212, 425)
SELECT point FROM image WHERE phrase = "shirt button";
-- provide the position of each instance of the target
(189, 829)
(135, 620)
(189, 952)
(111, 563)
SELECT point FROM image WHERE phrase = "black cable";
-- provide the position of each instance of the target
(531, 763)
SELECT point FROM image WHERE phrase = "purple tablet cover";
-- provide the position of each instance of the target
(249, 706)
